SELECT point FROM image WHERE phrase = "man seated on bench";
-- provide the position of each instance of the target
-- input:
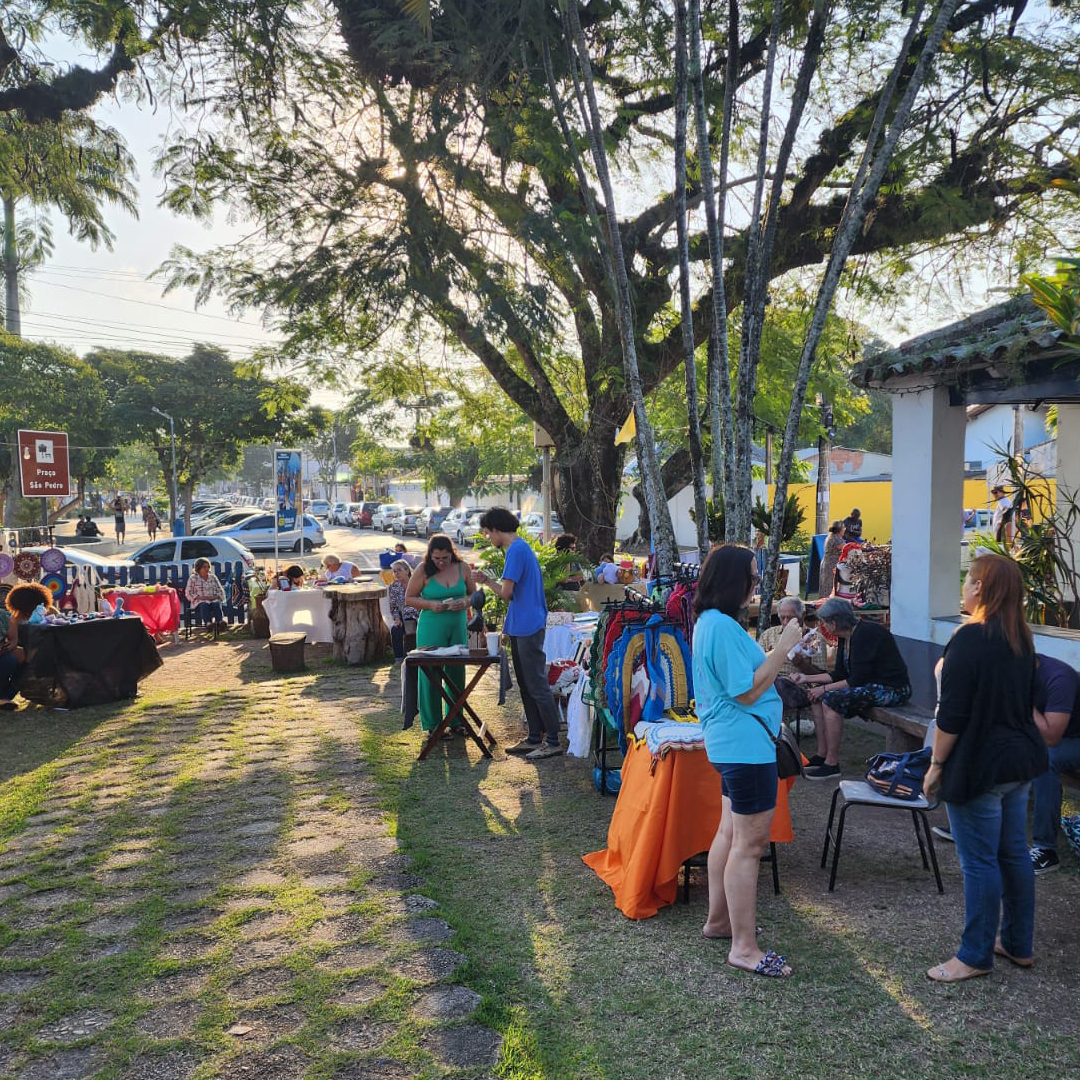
(809, 659)
(205, 595)
(869, 672)
(1057, 715)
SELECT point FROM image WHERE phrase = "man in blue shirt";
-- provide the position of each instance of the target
(522, 586)
(1057, 714)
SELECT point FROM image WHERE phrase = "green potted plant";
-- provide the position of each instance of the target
(554, 567)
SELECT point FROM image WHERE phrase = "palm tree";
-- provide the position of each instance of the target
(75, 166)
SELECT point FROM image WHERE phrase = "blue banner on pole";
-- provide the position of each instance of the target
(287, 473)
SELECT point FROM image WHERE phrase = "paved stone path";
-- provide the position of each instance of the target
(210, 890)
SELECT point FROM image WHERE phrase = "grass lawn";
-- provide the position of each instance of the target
(581, 991)
(253, 882)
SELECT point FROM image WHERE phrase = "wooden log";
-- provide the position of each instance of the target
(360, 633)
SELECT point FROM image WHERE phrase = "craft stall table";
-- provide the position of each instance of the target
(360, 634)
(299, 609)
(460, 710)
(158, 607)
(86, 663)
(662, 818)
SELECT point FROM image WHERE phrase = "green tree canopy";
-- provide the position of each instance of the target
(217, 407)
(46, 388)
(73, 165)
(441, 179)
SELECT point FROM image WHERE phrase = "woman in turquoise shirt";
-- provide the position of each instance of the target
(733, 684)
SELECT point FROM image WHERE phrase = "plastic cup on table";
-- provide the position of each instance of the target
(493, 644)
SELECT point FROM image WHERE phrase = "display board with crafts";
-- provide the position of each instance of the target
(79, 648)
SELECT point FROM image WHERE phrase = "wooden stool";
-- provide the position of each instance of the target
(287, 652)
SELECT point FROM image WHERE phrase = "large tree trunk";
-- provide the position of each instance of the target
(186, 491)
(587, 507)
(12, 318)
(663, 533)
(685, 309)
(879, 152)
(721, 414)
(761, 241)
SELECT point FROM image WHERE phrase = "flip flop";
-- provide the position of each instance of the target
(940, 974)
(1019, 961)
(771, 965)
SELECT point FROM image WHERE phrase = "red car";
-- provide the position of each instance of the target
(363, 515)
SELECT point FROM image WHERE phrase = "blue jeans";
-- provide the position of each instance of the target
(1046, 792)
(999, 882)
(208, 610)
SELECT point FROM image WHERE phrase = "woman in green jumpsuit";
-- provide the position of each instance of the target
(439, 588)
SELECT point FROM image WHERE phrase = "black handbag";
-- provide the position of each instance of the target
(789, 759)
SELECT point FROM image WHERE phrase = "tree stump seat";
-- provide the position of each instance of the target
(361, 635)
(287, 651)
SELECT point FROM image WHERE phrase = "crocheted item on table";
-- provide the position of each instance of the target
(27, 566)
(667, 660)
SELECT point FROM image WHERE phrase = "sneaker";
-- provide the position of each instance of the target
(823, 772)
(523, 748)
(1043, 860)
(815, 760)
(543, 751)
(942, 833)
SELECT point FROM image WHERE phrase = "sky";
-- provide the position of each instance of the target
(83, 298)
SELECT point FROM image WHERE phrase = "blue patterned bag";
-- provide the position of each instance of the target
(1070, 826)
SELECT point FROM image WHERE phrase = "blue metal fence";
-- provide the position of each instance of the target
(232, 575)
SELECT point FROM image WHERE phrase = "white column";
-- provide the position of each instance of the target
(1068, 460)
(927, 502)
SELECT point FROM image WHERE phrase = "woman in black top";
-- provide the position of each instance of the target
(986, 751)
(869, 672)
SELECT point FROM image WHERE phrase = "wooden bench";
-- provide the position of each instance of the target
(905, 725)
(906, 729)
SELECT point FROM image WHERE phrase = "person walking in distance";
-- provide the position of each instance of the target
(522, 586)
(118, 518)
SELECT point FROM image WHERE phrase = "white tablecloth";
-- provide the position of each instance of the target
(561, 642)
(299, 609)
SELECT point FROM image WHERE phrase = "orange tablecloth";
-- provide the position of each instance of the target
(159, 611)
(660, 821)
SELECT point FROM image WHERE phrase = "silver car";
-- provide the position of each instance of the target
(257, 533)
(383, 516)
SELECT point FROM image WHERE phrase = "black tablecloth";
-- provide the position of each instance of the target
(86, 663)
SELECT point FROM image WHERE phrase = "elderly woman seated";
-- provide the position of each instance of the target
(810, 659)
(336, 570)
(869, 672)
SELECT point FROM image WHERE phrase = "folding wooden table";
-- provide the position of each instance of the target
(460, 709)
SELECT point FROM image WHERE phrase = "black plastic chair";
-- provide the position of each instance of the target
(860, 793)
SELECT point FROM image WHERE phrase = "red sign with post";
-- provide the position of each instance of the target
(43, 463)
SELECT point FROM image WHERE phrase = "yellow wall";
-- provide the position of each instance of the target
(874, 500)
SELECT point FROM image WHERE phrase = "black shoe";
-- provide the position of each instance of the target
(816, 760)
(1043, 860)
(524, 747)
(823, 772)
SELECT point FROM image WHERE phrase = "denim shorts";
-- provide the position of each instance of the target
(751, 788)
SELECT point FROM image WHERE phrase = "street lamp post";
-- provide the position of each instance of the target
(172, 446)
